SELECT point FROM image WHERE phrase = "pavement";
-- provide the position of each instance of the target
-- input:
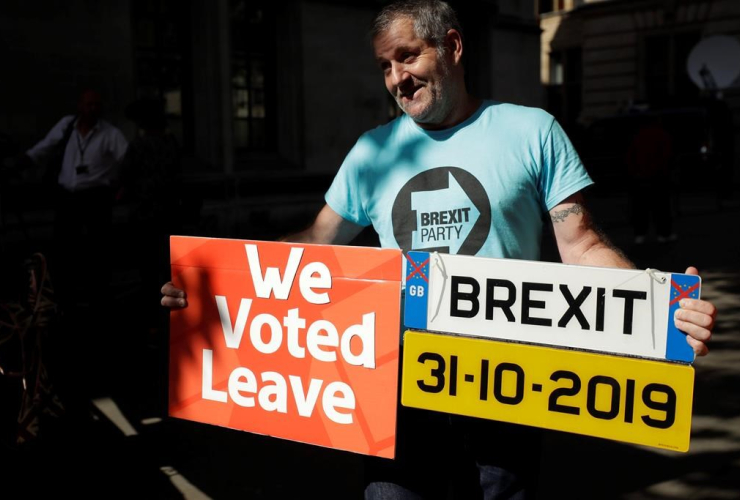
(127, 447)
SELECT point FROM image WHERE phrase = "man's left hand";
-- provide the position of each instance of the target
(696, 319)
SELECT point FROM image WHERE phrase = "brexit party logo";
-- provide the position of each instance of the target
(444, 209)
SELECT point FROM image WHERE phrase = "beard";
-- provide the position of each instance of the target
(431, 101)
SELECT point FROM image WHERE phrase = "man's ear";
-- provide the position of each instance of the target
(454, 45)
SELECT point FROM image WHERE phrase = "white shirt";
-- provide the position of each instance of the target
(101, 151)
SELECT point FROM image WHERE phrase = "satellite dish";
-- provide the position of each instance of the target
(714, 63)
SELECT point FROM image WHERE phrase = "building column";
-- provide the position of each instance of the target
(212, 107)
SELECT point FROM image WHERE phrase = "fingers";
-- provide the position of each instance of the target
(173, 297)
(169, 289)
(696, 318)
(173, 303)
(696, 324)
(697, 331)
(700, 349)
(700, 306)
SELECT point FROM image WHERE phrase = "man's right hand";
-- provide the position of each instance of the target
(172, 297)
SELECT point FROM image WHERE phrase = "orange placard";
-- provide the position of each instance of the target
(289, 340)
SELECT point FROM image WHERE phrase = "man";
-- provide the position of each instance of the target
(649, 161)
(460, 175)
(83, 154)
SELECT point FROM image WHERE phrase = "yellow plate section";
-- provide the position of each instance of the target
(633, 400)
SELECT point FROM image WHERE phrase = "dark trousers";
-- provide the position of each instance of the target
(80, 269)
(441, 456)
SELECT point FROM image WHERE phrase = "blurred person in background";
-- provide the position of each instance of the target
(648, 167)
(722, 144)
(82, 155)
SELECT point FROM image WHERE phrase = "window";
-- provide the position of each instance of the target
(564, 91)
(556, 68)
(253, 42)
(162, 60)
(546, 6)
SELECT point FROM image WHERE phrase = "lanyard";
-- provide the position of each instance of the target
(79, 145)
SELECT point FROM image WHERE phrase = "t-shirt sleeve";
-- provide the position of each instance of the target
(563, 173)
(345, 195)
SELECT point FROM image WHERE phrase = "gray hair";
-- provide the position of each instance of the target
(432, 20)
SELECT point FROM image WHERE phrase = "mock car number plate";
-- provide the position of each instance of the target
(633, 400)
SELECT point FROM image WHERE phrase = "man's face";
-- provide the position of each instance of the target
(90, 105)
(415, 74)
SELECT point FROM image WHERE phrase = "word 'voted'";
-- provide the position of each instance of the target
(295, 341)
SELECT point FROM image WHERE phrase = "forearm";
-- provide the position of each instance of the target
(305, 236)
(580, 241)
(328, 229)
(595, 249)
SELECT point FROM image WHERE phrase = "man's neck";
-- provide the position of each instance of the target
(85, 126)
(460, 111)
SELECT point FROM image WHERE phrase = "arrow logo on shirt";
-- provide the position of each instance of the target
(444, 217)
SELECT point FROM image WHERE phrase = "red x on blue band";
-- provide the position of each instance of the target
(417, 269)
(682, 294)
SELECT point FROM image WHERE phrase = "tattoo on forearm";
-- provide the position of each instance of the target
(561, 215)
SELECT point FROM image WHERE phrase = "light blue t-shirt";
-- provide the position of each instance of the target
(479, 188)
